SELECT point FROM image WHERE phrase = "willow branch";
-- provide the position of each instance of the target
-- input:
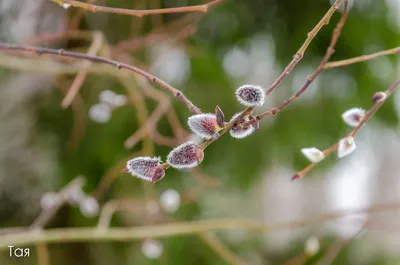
(300, 53)
(327, 152)
(138, 13)
(361, 58)
(310, 79)
(155, 80)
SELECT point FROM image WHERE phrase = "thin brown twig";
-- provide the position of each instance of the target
(327, 152)
(155, 80)
(300, 53)
(138, 13)
(330, 50)
(361, 58)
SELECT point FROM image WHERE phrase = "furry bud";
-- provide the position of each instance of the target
(146, 168)
(313, 154)
(353, 116)
(379, 97)
(237, 131)
(204, 125)
(220, 117)
(250, 95)
(187, 155)
(346, 146)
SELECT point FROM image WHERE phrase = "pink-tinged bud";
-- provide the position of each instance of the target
(204, 125)
(146, 168)
(353, 116)
(220, 117)
(187, 155)
(296, 176)
(379, 97)
(346, 146)
(237, 131)
(250, 95)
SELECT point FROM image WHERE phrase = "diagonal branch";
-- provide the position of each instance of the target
(361, 58)
(310, 79)
(300, 53)
(327, 152)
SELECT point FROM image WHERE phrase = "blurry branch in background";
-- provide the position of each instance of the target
(223, 251)
(60, 199)
(351, 135)
(300, 53)
(60, 52)
(110, 176)
(172, 31)
(94, 48)
(63, 235)
(111, 207)
(138, 13)
(361, 58)
(338, 246)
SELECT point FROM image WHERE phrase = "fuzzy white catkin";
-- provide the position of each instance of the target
(346, 146)
(48, 200)
(240, 133)
(204, 125)
(313, 154)
(353, 116)
(170, 200)
(186, 155)
(100, 113)
(152, 249)
(250, 95)
(89, 207)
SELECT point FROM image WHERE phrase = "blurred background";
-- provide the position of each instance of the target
(43, 146)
